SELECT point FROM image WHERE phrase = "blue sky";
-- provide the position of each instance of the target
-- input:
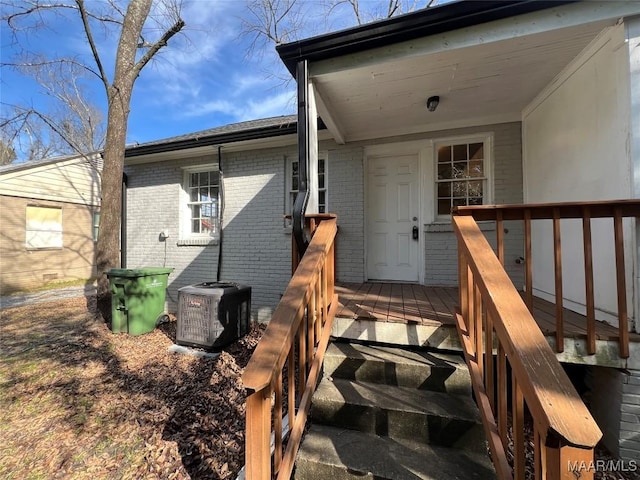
(202, 79)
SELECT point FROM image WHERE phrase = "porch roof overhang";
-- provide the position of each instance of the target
(486, 61)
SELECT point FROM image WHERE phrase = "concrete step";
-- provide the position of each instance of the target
(399, 412)
(436, 335)
(339, 454)
(395, 366)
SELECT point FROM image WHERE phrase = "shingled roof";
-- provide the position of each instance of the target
(234, 132)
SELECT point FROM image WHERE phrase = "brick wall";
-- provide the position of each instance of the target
(24, 269)
(615, 405)
(256, 247)
(630, 416)
(346, 199)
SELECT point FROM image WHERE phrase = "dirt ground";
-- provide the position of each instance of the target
(77, 401)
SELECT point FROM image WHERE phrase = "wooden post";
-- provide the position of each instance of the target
(489, 381)
(528, 261)
(622, 285)
(500, 236)
(258, 436)
(517, 427)
(588, 278)
(463, 283)
(277, 425)
(477, 320)
(557, 255)
(502, 395)
(568, 463)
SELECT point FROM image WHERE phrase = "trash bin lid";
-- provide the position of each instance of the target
(138, 272)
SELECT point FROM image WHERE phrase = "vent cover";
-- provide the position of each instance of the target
(212, 314)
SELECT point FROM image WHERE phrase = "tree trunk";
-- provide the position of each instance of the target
(119, 99)
(108, 246)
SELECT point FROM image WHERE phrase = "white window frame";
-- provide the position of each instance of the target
(42, 230)
(95, 227)
(187, 237)
(289, 191)
(487, 179)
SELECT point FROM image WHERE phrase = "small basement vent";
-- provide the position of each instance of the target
(212, 314)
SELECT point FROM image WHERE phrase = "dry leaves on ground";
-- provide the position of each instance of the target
(77, 401)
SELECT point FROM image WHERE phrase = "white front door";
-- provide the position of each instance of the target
(392, 214)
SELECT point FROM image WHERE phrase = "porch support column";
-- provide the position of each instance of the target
(312, 132)
(307, 197)
(633, 44)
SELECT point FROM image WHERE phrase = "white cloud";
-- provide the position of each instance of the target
(270, 106)
(240, 109)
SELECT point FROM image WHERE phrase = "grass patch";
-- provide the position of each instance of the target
(54, 285)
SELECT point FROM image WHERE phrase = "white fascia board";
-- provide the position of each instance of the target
(570, 15)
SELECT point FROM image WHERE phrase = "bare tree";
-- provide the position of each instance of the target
(273, 22)
(138, 42)
(7, 153)
(70, 124)
(373, 11)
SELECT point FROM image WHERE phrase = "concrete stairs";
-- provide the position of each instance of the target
(392, 413)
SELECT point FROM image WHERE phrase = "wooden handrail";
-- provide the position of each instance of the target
(555, 212)
(599, 209)
(311, 222)
(491, 306)
(302, 319)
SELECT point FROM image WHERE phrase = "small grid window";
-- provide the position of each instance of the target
(96, 225)
(293, 181)
(461, 176)
(322, 185)
(203, 189)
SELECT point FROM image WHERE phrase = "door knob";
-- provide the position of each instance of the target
(415, 232)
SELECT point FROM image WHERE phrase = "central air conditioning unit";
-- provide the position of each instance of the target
(212, 314)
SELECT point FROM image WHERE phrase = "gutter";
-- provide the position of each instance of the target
(302, 198)
(213, 140)
(422, 23)
(123, 222)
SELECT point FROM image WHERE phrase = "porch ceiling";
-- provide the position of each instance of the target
(489, 82)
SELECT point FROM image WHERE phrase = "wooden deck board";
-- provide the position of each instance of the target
(419, 304)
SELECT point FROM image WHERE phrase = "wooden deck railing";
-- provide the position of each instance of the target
(493, 313)
(555, 212)
(288, 359)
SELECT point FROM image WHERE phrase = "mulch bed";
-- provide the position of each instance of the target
(77, 401)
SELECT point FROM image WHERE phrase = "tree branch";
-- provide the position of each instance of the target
(51, 62)
(92, 44)
(153, 49)
(53, 6)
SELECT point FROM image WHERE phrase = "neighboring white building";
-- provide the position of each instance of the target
(49, 213)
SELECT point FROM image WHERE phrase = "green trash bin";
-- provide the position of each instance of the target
(137, 298)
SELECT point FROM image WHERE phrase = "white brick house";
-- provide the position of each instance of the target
(256, 241)
(541, 97)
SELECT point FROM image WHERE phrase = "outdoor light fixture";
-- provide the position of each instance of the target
(432, 103)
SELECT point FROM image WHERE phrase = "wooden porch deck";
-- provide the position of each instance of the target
(433, 306)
